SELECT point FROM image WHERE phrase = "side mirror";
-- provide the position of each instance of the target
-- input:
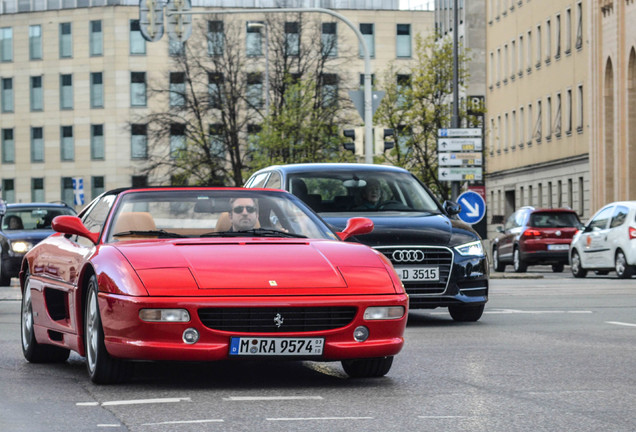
(356, 226)
(452, 208)
(74, 226)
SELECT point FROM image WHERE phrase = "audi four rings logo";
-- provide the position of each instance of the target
(405, 255)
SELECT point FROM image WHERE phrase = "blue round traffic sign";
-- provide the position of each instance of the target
(473, 207)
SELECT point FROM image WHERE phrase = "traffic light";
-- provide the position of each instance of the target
(351, 146)
(388, 145)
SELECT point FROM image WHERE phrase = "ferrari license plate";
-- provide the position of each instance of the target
(245, 346)
(415, 274)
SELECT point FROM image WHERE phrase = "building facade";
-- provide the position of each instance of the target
(73, 73)
(538, 118)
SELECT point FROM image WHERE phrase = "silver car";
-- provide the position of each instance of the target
(607, 243)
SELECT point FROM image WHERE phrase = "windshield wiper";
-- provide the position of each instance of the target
(260, 232)
(159, 233)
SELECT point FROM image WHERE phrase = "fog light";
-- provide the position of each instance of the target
(383, 312)
(164, 315)
(361, 334)
(190, 336)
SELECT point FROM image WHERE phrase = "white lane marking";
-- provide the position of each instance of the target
(535, 312)
(270, 398)
(620, 323)
(317, 418)
(134, 402)
(185, 422)
(441, 417)
(109, 425)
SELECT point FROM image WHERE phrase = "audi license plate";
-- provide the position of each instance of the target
(245, 346)
(415, 274)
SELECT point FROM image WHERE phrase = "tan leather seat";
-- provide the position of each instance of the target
(134, 221)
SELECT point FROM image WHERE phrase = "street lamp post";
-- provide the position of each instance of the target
(261, 26)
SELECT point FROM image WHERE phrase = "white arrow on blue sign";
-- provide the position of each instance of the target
(473, 207)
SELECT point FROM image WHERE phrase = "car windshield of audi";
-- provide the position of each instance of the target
(440, 260)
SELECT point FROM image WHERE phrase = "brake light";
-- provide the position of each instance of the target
(632, 233)
(532, 233)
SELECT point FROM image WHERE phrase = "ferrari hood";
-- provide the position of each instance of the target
(268, 266)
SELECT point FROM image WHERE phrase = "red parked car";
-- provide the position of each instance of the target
(533, 236)
(207, 274)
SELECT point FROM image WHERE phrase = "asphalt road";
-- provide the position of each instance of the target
(551, 353)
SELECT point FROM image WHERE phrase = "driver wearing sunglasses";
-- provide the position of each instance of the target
(244, 214)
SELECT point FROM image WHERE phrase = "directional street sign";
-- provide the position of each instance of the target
(459, 174)
(459, 144)
(473, 207)
(459, 132)
(459, 159)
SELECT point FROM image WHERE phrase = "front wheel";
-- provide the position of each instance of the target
(519, 265)
(577, 268)
(623, 270)
(102, 368)
(496, 262)
(33, 351)
(368, 368)
(466, 313)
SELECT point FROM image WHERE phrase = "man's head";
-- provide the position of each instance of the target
(244, 213)
(372, 191)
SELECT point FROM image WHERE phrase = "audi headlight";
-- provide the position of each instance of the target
(21, 247)
(471, 249)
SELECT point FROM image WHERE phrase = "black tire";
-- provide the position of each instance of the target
(558, 268)
(101, 367)
(623, 269)
(466, 313)
(5, 280)
(519, 265)
(575, 264)
(33, 351)
(368, 368)
(496, 262)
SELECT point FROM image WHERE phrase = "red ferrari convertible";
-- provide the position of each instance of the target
(206, 274)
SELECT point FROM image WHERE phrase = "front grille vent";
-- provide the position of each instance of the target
(266, 319)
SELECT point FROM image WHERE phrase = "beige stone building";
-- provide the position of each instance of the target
(74, 72)
(540, 116)
(613, 106)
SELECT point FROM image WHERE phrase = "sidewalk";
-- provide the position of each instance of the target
(11, 292)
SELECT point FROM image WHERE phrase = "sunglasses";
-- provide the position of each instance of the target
(239, 209)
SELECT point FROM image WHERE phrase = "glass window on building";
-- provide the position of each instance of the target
(37, 144)
(139, 141)
(292, 39)
(252, 137)
(404, 138)
(362, 81)
(254, 92)
(36, 94)
(254, 41)
(137, 41)
(6, 44)
(403, 40)
(177, 139)
(96, 38)
(138, 181)
(68, 195)
(66, 91)
(8, 146)
(216, 38)
(66, 40)
(368, 34)
(97, 142)
(67, 145)
(35, 42)
(7, 94)
(97, 90)
(8, 190)
(97, 186)
(176, 48)
(138, 88)
(403, 87)
(37, 190)
(215, 89)
(217, 144)
(329, 39)
(329, 89)
(177, 89)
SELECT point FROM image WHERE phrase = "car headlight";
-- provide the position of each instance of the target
(383, 312)
(470, 249)
(21, 247)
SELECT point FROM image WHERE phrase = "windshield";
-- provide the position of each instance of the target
(213, 213)
(361, 191)
(32, 218)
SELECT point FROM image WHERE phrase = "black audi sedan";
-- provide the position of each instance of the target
(441, 260)
(22, 226)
